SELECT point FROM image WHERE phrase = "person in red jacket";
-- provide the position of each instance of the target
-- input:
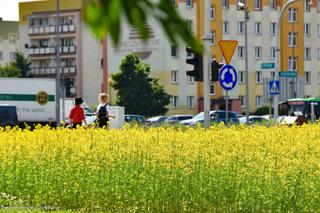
(77, 116)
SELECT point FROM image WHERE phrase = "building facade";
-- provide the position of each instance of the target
(81, 53)
(299, 49)
(85, 76)
(9, 41)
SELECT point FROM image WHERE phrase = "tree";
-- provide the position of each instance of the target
(10, 71)
(137, 91)
(22, 63)
(105, 16)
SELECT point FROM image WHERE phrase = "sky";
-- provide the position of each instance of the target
(9, 9)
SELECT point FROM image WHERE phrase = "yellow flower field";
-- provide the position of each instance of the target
(162, 169)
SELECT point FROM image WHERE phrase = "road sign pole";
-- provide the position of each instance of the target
(246, 18)
(206, 81)
(227, 107)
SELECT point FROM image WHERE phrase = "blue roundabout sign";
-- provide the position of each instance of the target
(228, 77)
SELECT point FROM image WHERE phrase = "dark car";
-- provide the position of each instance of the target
(175, 119)
(220, 116)
(134, 119)
(8, 115)
(155, 121)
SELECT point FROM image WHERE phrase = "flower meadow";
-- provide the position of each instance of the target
(236, 169)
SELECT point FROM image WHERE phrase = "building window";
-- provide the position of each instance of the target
(318, 77)
(225, 4)
(292, 39)
(225, 27)
(258, 77)
(13, 55)
(257, 28)
(190, 79)
(307, 53)
(318, 53)
(292, 14)
(273, 28)
(240, 27)
(240, 52)
(212, 12)
(188, 3)
(307, 30)
(241, 77)
(174, 50)
(273, 74)
(190, 102)
(213, 37)
(257, 4)
(175, 102)
(319, 29)
(307, 5)
(307, 77)
(258, 52)
(273, 4)
(212, 89)
(12, 38)
(242, 98)
(273, 52)
(1, 56)
(174, 76)
(190, 25)
(258, 101)
(173, 2)
(318, 6)
(293, 63)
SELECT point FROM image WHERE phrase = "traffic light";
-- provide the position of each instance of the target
(197, 63)
(215, 68)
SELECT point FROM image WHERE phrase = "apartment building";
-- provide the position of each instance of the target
(299, 49)
(9, 41)
(81, 53)
(167, 61)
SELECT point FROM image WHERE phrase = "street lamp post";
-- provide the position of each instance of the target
(277, 64)
(244, 7)
(58, 80)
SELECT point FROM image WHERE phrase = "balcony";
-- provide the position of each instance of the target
(43, 51)
(52, 70)
(50, 29)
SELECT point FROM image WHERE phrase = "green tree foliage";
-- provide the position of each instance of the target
(105, 17)
(22, 63)
(10, 71)
(137, 91)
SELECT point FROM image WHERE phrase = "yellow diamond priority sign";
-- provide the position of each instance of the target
(227, 48)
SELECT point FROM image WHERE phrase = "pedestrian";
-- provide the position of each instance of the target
(103, 110)
(77, 115)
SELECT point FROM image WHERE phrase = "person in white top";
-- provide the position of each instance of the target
(103, 110)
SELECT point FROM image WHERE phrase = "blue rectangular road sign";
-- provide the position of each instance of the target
(269, 65)
(274, 87)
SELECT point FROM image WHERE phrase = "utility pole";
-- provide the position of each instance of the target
(58, 79)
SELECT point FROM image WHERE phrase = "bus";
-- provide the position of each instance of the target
(302, 105)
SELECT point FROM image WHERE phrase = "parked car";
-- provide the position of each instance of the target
(215, 117)
(175, 119)
(156, 121)
(253, 119)
(134, 119)
(8, 115)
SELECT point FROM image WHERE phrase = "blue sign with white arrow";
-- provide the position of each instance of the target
(228, 77)
(274, 87)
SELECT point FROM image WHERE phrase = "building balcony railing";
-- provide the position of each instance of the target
(50, 29)
(40, 51)
(52, 70)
